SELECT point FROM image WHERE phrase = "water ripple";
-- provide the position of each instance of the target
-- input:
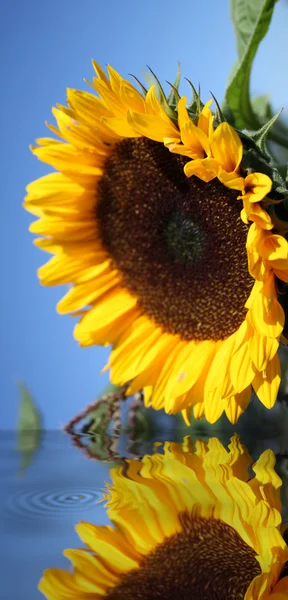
(52, 504)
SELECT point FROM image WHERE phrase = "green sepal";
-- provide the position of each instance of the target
(260, 136)
(195, 107)
(174, 97)
(279, 185)
(144, 90)
(219, 117)
(169, 111)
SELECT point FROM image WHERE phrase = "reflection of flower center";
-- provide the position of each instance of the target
(178, 243)
(208, 560)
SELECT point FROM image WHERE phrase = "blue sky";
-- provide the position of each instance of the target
(45, 47)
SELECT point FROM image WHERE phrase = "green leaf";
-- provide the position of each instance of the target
(262, 108)
(251, 21)
(29, 428)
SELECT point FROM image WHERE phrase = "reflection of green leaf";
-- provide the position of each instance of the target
(251, 22)
(29, 428)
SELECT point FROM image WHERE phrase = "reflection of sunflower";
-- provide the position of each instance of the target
(158, 258)
(187, 525)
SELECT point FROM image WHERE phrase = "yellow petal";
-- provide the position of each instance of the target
(87, 106)
(188, 367)
(153, 127)
(237, 404)
(227, 147)
(132, 98)
(66, 231)
(115, 80)
(262, 349)
(254, 212)
(104, 323)
(120, 127)
(241, 368)
(69, 160)
(138, 350)
(149, 376)
(193, 137)
(206, 119)
(100, 73)
(231, 180)
(87, 293)
(186, 414)
(257, 186)
(274, 247)
(202, 168)
(214, 405)
(266, 383)
(266, 314)
(158, 396)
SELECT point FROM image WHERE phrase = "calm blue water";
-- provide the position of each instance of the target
(62, 485)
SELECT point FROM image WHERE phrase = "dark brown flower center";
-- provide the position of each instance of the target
(208, 560)
(178, 243)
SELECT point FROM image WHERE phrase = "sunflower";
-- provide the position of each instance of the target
(161, 223)
(186, 523)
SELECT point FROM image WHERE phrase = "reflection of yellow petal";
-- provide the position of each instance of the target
(227, 147)
(85, 562)
(153, 500)
(110, 545)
